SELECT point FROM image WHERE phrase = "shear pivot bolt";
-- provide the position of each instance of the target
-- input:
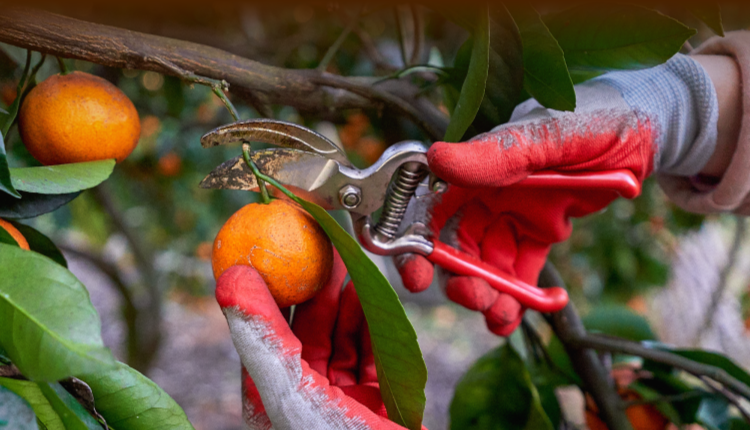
(350, 196)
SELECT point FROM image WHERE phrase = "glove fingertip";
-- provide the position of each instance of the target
(416, 272)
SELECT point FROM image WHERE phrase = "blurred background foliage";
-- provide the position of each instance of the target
(614, 256)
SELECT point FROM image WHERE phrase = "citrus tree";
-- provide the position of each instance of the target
(453, 72)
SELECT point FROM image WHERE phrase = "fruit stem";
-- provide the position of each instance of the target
(63, 68)
(219, 91)
(264, 197)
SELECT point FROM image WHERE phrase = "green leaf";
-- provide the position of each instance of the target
(50, 329)
(714, 413)
(15, 412)
(40, 243)
(717, 360)
(32, 204)
(497, 393)
(618, 321)
(6, 238)
(30, 392)
(669, 384)
(472, 91)
(71, 413)
(710, 14)
(129, 401)
(63, 178)
(654, 397)
(546, 76)
(613, 37)
(402, 373)
(6, 185)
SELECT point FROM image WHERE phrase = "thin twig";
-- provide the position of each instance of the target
(595, 377)
(337, 44)
(217, 86)
(416, 52)
(386, 98)
(622, 346)
(130, 311)
(144, 258)
(731, 397)
(718, 293)
(400, 34)
(265, 198)
(62, 66)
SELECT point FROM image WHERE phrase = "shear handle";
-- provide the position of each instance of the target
(621, 181)
(543, 300)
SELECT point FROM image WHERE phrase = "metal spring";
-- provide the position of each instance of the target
(399, 194)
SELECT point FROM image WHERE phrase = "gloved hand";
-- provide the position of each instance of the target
(661, 119)
(320, 373)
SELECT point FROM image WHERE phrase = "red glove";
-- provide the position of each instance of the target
(513, 228)
(318, 374)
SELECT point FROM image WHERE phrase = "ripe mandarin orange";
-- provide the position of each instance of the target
(15, 234)
(283, 243)
(78, 117)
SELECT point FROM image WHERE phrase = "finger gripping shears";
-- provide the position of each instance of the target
(310, 162)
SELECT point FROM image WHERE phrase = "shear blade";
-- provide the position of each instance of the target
(278, 133)
(293, 167)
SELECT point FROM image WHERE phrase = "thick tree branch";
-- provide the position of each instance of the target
(597, 382)
(307, 90)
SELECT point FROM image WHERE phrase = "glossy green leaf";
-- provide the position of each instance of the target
(472, 90)
(717, 360)
(63, 178)
(30, 392)
(32, 204)
(710, 14)
(618, 321)
(497, 393)
(505, 75)
(402, 373)
(600, 36)
(15, 412)
(6, 238)
(71, 413)
(50, 329)
(546, 76)
(40, 243)
(130, 401)
(714, 413)
(6, 184)
(686, 398)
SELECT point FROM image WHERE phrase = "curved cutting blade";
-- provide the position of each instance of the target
(293, 167)
(278, 133)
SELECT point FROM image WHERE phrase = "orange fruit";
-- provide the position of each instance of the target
(170, 164)
(15, 234)
(78, 117)
(641, 416)
(283, 243)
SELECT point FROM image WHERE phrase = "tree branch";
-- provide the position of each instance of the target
(596, 379)
(307, 90)
(622, 346)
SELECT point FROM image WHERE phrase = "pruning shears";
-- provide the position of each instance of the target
(308, 161)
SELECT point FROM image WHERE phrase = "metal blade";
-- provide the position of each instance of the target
(275, 133)
(293, 167)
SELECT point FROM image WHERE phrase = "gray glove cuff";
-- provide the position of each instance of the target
(733, 191)
(679, 98)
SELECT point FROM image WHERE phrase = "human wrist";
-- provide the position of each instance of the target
(725, 76)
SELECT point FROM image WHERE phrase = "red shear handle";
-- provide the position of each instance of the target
(543, 300)
(621, 181)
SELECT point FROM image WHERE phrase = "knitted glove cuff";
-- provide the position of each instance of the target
(732, 193)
